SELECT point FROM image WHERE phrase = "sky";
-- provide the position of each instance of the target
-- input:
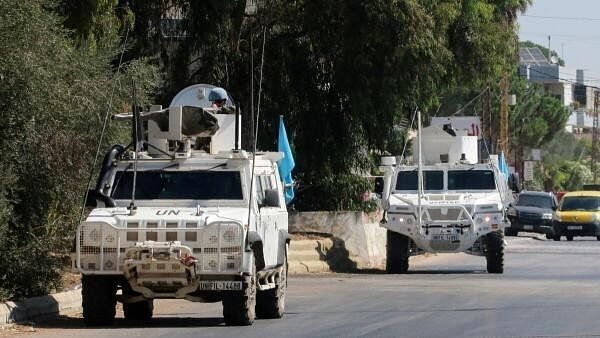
(574, 29)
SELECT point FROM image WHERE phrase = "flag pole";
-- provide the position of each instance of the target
(419, 169)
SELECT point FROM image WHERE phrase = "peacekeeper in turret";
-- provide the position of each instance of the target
(218, 97)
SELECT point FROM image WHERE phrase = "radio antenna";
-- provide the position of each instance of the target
(262, 63)
(136, 144)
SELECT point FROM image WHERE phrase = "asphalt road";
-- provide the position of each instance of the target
(548, 289)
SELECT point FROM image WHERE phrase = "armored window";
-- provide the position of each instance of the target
(262, 183)
(179, 185)
(258, 188)
(432, 180)
(471, 180)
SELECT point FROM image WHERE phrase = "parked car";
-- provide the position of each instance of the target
(533, 212)
(578, 215)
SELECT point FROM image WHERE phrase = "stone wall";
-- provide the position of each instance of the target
(358, 233)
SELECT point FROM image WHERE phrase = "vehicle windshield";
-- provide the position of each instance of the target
(432, 180)
(535, 201)
(471, 180)
(580, 203)
(179, 185)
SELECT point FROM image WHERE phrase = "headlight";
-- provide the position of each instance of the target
(547, 216)
(404, 219)
(596, 218)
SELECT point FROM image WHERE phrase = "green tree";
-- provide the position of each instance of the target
(536, 118)
(53, 100)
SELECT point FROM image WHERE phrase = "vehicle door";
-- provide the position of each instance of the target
(269, 200)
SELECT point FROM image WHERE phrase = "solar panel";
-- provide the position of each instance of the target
(532, 55)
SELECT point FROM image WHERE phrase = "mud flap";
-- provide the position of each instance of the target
(256, 244)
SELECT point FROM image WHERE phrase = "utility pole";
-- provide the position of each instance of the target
(549, 50)
(595, 137)
(486, 121)
(503, 141)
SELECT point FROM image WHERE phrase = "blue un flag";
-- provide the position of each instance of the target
(503, 166)
(286, 164)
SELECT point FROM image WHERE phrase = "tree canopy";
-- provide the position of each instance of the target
(53, 101)
(346, 75)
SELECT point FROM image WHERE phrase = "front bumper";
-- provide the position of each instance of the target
(168, 270)
(576, 229)
(539, 226)
(444, 228)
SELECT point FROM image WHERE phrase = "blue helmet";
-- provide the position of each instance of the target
(217, 94)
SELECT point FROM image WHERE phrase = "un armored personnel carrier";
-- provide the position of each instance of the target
(447, 203)
(184, 213)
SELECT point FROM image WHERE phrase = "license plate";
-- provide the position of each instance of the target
(528, 227)
(445, 237)
(220, 285)
(574, 227)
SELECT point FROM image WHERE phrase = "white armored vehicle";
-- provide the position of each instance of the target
(184, 213)
(447, 203)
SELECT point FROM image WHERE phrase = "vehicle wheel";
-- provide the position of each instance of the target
(494, 252)
(139, 310)
(239, 307)
(99, 298)
(270, 304)
(398, 252)
(569, 238)
(511, 232)
(556, 238)
(598, 238)
(549, 236)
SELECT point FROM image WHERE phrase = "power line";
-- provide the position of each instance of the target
(571, 18)
(552, 77)
(593, 37)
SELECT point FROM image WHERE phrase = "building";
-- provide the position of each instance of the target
(556, 79)
(569, 87)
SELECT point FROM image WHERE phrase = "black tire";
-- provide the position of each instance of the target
(549, 236)
(239, 307)
(139, 310)
(99, 299)
(598, 238)
(270, 304)
(569, 238)
(556, 238)
(398, 252)
(511, 232)
(494, 252)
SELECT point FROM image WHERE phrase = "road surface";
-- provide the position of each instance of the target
(548, 289)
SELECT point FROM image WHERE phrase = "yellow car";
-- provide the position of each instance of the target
(578, 214)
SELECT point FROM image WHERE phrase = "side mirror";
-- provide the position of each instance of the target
(379, 186)
(271, 198)
(91, 200)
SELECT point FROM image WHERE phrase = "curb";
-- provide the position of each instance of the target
(31, 309)
(304, 257)
(308, 267)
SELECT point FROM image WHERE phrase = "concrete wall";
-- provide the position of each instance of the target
(358, 232)
(64, 303)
